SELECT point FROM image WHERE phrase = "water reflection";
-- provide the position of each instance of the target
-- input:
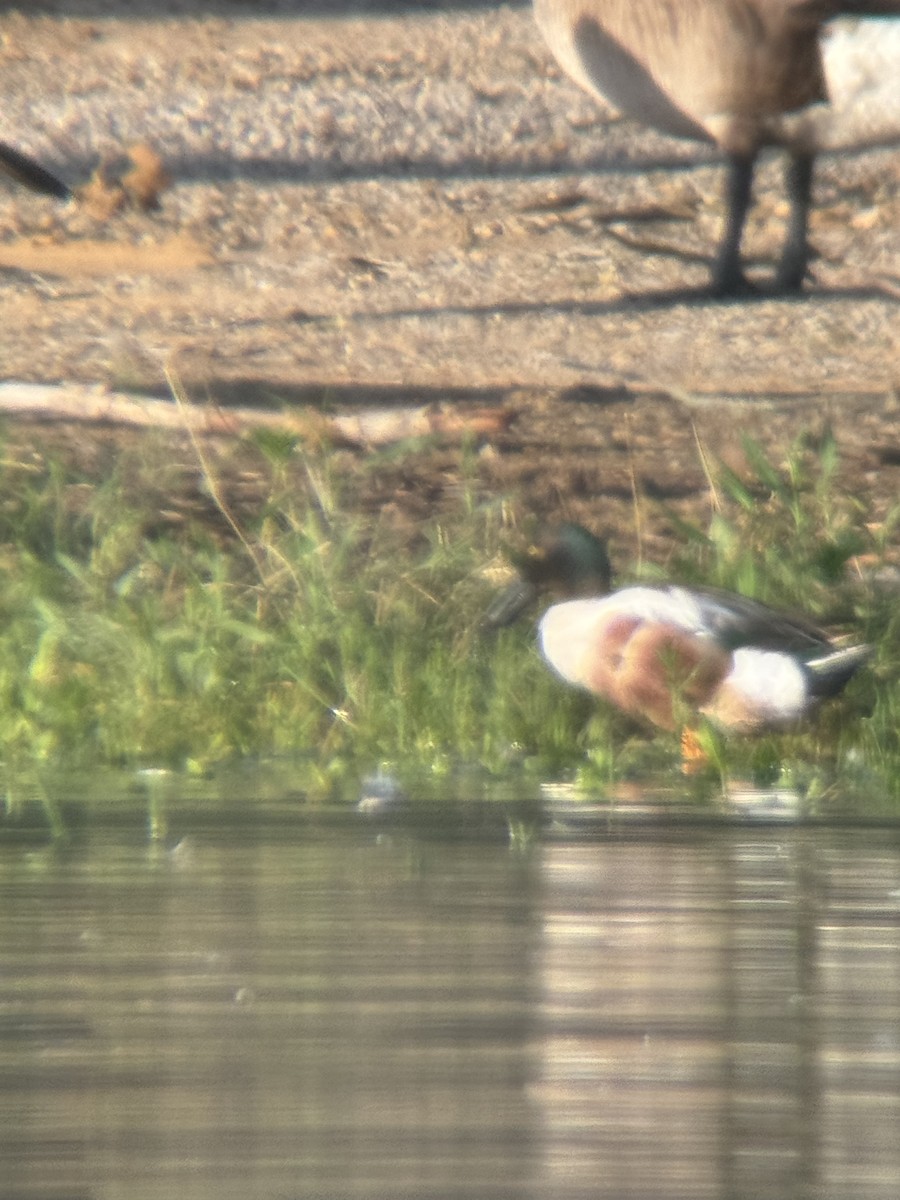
(311, 1007)
(721, 1017)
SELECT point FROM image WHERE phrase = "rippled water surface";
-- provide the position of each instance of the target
(281, 1005)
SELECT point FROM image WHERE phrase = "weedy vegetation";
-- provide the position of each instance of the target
(309, 630)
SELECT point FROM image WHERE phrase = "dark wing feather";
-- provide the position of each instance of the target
(736, 621)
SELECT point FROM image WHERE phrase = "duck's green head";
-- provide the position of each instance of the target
(572, 562)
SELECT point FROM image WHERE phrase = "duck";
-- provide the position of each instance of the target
(670, 654)
(742, 74)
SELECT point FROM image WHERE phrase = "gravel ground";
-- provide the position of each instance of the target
(401, 205)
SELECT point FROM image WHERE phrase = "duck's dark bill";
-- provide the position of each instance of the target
(510, 604)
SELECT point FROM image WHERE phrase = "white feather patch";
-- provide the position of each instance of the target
(771, 684)
(569, 630)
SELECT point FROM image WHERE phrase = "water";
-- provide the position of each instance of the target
(325, 1007)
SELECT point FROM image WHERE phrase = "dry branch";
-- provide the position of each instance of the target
(371, 427)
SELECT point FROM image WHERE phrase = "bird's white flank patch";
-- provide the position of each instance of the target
(772, 684)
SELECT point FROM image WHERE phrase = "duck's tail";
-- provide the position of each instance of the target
(831, 673)
(26, 171)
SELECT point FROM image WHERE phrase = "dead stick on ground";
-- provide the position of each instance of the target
(369, 427)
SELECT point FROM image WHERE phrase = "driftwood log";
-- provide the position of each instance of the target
(371, 427)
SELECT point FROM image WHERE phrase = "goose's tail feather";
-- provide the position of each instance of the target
(26, 171)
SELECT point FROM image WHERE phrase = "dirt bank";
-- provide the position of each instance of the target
(407, 207)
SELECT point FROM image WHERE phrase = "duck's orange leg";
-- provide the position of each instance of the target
(694, 757)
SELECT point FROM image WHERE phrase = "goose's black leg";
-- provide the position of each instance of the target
(795, 256)
(728, 278)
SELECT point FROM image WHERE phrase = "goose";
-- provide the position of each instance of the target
(668, 653)
(742, 74)
(31, 174)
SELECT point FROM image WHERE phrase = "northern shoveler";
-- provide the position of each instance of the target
(667, 653)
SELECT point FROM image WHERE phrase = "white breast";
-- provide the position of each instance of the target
(568, 630)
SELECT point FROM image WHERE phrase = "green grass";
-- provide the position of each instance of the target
(310, 630)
